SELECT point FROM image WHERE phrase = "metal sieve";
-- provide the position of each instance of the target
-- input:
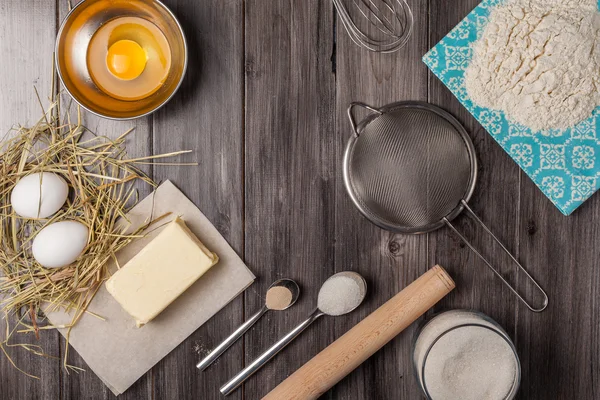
(411, 168)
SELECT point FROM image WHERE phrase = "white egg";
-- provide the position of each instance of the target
(29, 199)
(60, 243)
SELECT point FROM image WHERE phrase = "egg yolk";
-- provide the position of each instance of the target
(126, 59)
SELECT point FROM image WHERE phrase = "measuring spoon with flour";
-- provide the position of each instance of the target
(281, 295)
(339, 295)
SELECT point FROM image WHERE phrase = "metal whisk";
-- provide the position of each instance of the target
(382, 26)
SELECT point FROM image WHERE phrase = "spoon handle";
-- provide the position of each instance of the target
(267, 355)
(220, 349)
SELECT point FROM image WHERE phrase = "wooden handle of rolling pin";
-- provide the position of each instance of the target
(345, 354)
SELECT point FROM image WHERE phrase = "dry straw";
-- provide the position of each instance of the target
(101, 179)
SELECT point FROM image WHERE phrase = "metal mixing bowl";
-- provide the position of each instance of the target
(72, 43)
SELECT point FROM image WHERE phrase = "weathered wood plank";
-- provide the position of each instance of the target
(206, 116)
(526, 221)
(559, 348)
(290, 173)
(290, 216)
(495, 201)
(388, 261)
(87, 384)
(27, 30)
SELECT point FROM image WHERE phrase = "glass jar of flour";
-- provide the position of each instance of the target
(465, 355)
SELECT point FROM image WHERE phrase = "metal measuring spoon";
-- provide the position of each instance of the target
(247, 372)
(220, 349)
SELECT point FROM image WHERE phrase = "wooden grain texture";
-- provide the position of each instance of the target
(388, 261)
(26, 30)
(290, 173)
(559, 348)
(263, 107)
(496, 201)
(206, 116)
(87, 384)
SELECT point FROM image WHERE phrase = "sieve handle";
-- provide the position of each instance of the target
(351, 115)
(512, 289)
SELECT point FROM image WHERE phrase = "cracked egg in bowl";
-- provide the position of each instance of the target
(121, 59)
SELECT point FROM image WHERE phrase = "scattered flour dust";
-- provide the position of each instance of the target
(539, 62)
(200, 349)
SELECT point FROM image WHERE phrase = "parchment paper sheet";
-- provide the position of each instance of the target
(117, 351)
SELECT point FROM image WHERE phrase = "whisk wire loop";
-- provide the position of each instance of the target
(377, 25)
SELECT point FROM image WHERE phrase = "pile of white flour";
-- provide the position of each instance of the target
(539, 62)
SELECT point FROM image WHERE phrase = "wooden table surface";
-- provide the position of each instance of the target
(263, 107)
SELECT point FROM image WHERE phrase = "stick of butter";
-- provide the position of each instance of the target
(160, 272)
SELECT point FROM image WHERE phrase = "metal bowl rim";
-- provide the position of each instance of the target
(159, 106)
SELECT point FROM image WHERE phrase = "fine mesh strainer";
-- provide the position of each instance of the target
(410, 167)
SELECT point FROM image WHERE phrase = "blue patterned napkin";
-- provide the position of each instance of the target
(564, 164)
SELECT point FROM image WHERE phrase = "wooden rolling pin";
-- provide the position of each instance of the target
(362, 341)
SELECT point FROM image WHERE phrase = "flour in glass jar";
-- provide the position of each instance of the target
(463, 355)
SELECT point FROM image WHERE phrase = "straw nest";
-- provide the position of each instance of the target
(101, 185)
